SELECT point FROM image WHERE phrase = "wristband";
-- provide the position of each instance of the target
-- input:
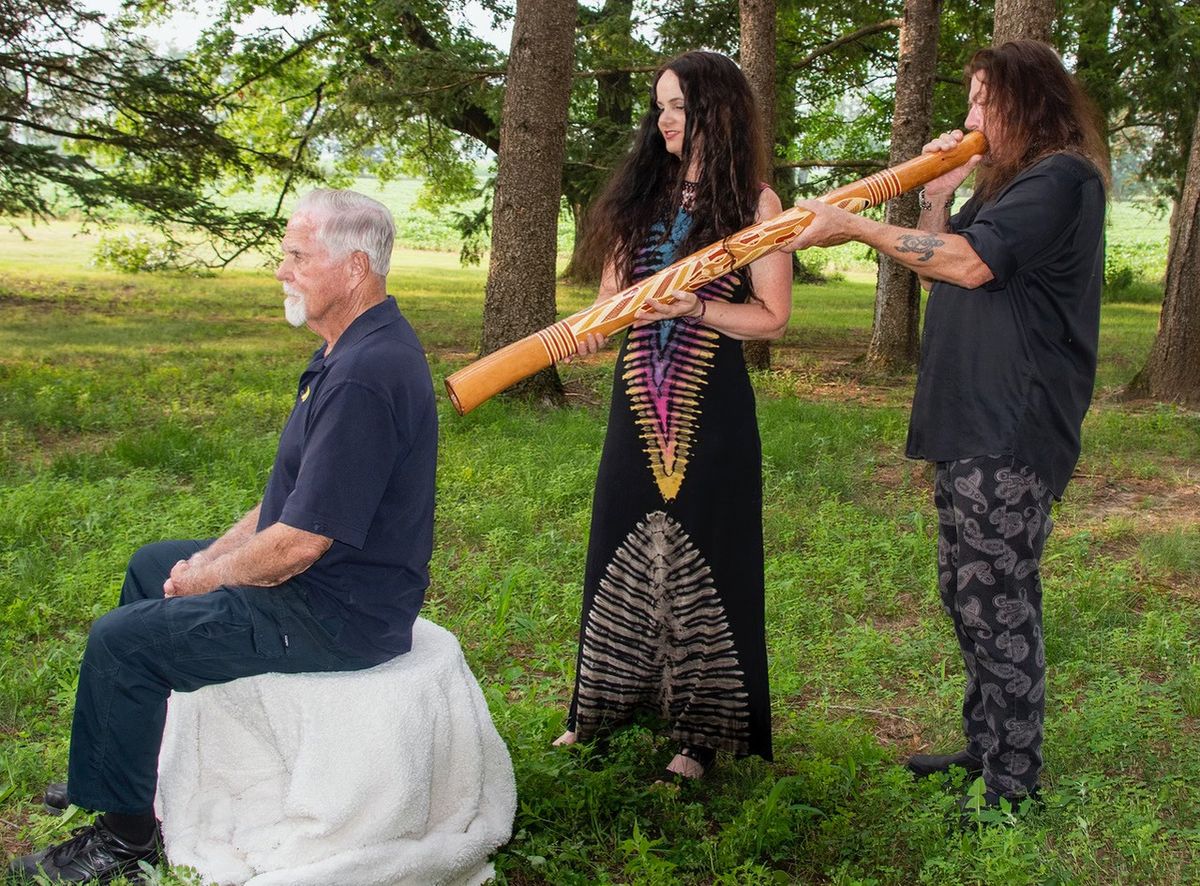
(703, 310)
(927, 205)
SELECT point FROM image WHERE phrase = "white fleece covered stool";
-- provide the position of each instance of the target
(392, 775)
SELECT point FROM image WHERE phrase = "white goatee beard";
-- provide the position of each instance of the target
(294, 308)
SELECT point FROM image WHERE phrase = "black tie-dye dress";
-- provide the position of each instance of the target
(673, 590)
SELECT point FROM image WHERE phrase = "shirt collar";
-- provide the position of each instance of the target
(376, 317)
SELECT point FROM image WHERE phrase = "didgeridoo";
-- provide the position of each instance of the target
(500, 369)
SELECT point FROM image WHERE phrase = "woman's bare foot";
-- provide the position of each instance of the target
(567, 738)
(685, 766)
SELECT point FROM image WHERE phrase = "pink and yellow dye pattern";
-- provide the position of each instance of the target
(665, 371)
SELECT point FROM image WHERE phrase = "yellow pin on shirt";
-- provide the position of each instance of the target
(304, 394)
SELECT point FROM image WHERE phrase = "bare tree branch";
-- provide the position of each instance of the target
(636, 69)
(835, 164)
(845, 39)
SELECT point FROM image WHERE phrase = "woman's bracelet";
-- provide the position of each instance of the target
(699, 318)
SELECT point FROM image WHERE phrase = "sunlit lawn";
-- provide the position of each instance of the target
(137, 407)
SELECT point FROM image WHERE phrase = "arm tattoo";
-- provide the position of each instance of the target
(923, 243)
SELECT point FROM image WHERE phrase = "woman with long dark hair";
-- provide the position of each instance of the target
(673, 589)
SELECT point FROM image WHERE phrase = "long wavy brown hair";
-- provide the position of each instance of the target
(1034, 108)
(722, 125)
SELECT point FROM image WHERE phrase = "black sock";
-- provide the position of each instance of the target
(136, 829)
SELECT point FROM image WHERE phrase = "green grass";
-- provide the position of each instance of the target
(140, 407)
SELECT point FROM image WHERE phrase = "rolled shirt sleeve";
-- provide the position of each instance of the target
(351, 449)
(1025, 226)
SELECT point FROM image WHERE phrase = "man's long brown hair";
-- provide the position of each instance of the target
(722, 127)
(1034, 108)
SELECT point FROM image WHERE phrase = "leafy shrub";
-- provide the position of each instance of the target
(133, 253)
(809, 266)
(1134, 271)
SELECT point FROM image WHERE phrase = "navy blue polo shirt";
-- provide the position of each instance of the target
(1008, 368)
(356, 464)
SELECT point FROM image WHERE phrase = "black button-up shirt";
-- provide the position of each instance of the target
(1008, 368)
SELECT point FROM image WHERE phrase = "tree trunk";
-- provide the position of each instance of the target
(897, 294)
(1023, 20)
(533, 130)
(757, 56)
(1172, 372)
(578, 270)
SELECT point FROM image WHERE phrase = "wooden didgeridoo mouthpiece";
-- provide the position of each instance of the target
(503, 368)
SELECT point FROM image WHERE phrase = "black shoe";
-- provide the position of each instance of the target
(93, 853)
(921, 765)
(54, 799)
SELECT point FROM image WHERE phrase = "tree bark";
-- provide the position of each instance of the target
(897, 294)
(757, 56)
(1172, 373)
(1023, 20)
(520, 296)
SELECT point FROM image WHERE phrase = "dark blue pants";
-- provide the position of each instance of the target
(149, 646)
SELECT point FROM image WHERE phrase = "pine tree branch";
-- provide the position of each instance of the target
(275, 65)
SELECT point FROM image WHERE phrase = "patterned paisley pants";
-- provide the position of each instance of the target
(993, 520)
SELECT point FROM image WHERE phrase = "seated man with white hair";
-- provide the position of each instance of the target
(326, 573)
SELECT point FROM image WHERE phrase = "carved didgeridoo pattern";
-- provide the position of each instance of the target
(489, 375)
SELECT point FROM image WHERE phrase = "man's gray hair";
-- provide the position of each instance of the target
(351, 222)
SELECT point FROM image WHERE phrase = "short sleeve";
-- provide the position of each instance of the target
(1023, 226)
(350, 450)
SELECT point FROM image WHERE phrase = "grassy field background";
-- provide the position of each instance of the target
(138, 407)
